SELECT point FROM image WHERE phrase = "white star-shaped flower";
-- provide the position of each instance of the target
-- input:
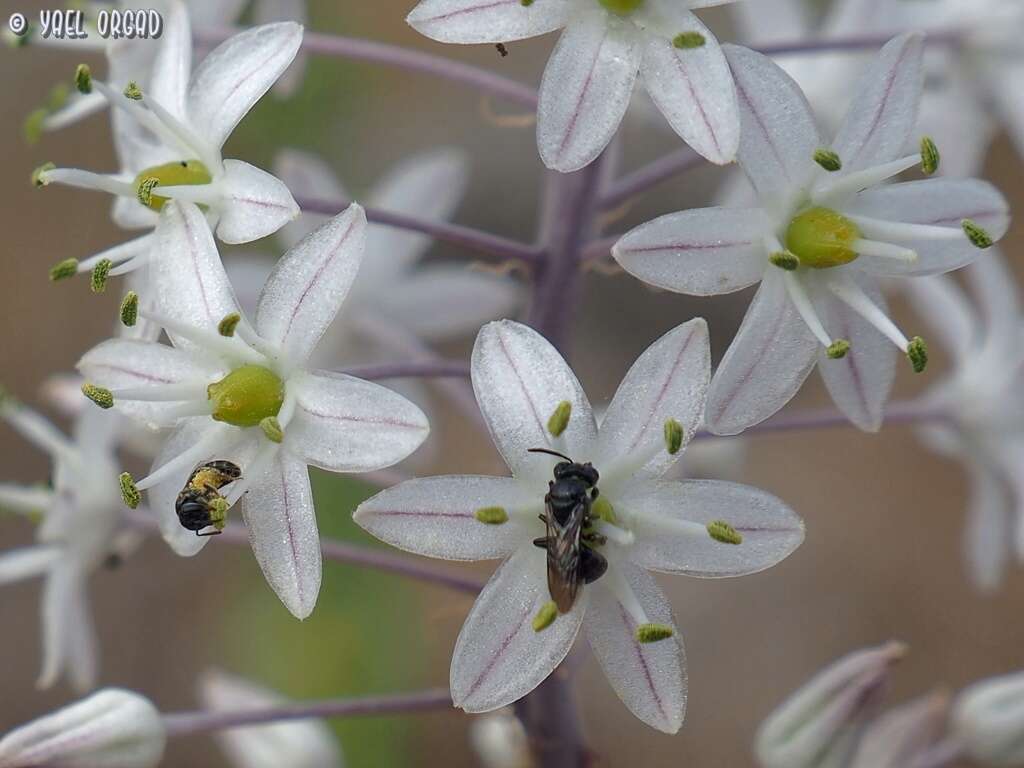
(243, 394)
(983, 416)
(588, 81)
(517, 633)
(78, 531)
(826, 231)
(169, 139)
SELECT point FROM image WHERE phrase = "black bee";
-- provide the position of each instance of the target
(502, 50)
(200, 504)
(572, 562)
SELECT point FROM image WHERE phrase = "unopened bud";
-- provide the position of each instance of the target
(560, 418)
(988, 719)
(820, 724)
(113, 728)
(904, 735)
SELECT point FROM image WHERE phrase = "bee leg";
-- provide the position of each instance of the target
(543, 518)
(595, 538)
(542, 542)
(211, 533)
(592, 565)
(594, 494)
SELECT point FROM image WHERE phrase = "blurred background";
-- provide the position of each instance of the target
(883, 555)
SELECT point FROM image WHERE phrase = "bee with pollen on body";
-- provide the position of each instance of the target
(200, 504)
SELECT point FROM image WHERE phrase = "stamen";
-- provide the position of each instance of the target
(210, 445)
(132, 91)
(721, 531)
(930, 157)
(227, 326)
(130, 309)
(83, 79)
(117, 254)
(858, 180)
(129, 492)
(559, 420)
(545, 616)
(162, 393)
(63, 270)
(917, 353)
(491, 515)
(210, 157)
(74, 177)
(673, 436)
(284, 416)
(624, 593)
(883, 229)
(786, 260)
(272, 429)
(652, 633)
(805, 308)
(838, 349)
(211, 342)
(245, 332)
(200, 194)
(851, 295)
(40, 176)
(689, 40)
(104, 398)
(602, 509)
(828, 159)
(884, 250)
(144, 190)
(100, 273)
(976, 234)
(253, 472)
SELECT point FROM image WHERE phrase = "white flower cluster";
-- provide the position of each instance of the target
(242, 397)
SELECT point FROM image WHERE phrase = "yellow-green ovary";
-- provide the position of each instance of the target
(621, 7)
(822, 238)
(178, 173)
(246, 396)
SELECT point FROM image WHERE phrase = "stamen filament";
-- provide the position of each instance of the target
(75, 177)
(163, 393)
(284, 416)
(245, 332)
(130, 265)
(184, 135)
(253, 472)
(858, 180)
(119, 253)
(145, 117)
(202, 194)
(212, 444)
(210, 341)
(851, 295)
(802, 302)
(655, 523)
(624, 593)
(188, 409)
(884, 250)
(882, 229)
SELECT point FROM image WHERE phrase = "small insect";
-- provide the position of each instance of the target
(200, 504)
(502, 49)
(572, 561)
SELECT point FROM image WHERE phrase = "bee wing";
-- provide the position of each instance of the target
(564, 578)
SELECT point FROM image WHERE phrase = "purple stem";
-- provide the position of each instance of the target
(396, 56)
(201, 721)
(650, 175)
(412, 369)
(496, 247)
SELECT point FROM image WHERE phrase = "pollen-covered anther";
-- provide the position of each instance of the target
(621, 7)
(546, 616)
(828, 159)
(83, 78)
(721, 531)
(673, 436)
(838, 349)
(930, 156)
(976, 234)
(652, 633)
(144, 190)
(62, 270)
(39, 175)
(104, 398)
(917, 353)
(129, 493)
(132, 91)
(100, 273)
(784, 260)
(130, 309)
(272, 429)
(173, 174)
(689, 40)
(560, 418)
(227, 326)
(491, 515)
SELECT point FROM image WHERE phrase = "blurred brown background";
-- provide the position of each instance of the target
(884, 518)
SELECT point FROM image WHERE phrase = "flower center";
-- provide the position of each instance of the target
(822, 238)
(179, 173)
(621, 7)
(246, 396)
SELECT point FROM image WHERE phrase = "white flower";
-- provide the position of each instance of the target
(113, 728)
(983, 415)
(904, 734)
(242, 393)
(170, 144)
(77, 533)
(298, 744)
(821, 724)
(516, 634)
(988, 719)
(588, 80)
(820, 240)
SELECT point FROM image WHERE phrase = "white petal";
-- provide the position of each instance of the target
(701, 252)
(27, 563)
(519, 380)
(861, 381)
(779, 134)
(173, 62)
(650, 678)
(938, 202)
(883, 113)
(309, 283)
(307, 175)
(486, 21)
(345, 424)
(692, 87)
(236, 74)
(499, 657)
(766, 22)
(121, 363)
(269, 11)
(585, 91)
(767, 362)
(191, 285)
(988, 538)
(771, 531)
(255, 204)
(279, 513)
(668, 381)
(436, 516)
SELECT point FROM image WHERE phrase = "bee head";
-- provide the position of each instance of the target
(583, 472)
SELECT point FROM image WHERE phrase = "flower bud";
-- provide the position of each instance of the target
(904, 735)
(821, 723)
(112, 728)
(988, 719)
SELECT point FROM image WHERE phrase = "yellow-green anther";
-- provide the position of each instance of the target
(976, 234)
(689, 40)
(246, 396)
(603, 510)
(621, 7)
(38, 179)
(83, 78)
(32, 129)
(784, 260)
(100, 273)
(828, 159)
(219, 512)
(129, 493)
(929, 156)
(560, 418)
(104, 398)
(545, 616)
(526, 3)
(491, 515)
(837, 349)
(652, 633)
(63, 270)
(822, 238)
(227, 326)
(673, 436)
(132, 91)
(272, 429)
(130, 309)
(917, 353)
(719, 530)
(144, 190)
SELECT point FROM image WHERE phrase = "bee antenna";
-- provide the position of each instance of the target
(549, 451)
